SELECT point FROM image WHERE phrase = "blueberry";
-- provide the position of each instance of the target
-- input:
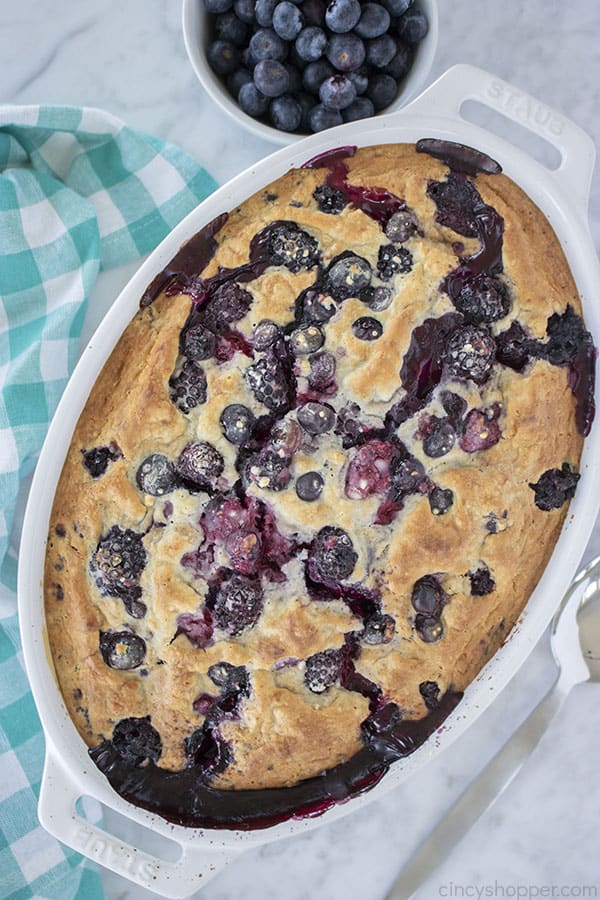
(285, 113)
(401, 226)
(440, 500)
(310, 486)
(440, 439)
(330, 200)
(396, 7)
(482, 582)
(333, 554)
(555, 487)
(337, 92)
(263, 12)
(295, 76)
(237, 604)
(408, 476)
(379, 629)
(311, 43)
(223, 57)
(187, 388)
(291, 246)
(323, 670)
(306, 102)
(268, 469)
(118, 561)
(512, 347)
(381, 51)
(399, 65)
(347, 276)
(224, 674)
(376, 298)
(265, 334)
(320, 118)
(316, 418)
(271, 78)
(244, 10)
(237, 422)
(315, 74)
(198, 343)
(229, 28)
(345, 52)
(287, 20)
(218, 6)
(122, 649)
(342, 15)
(286, 437)
(269, 382)
(483, 299)
(429, 629)
(136, 741)
(237, 80)
(156, 475)
(393, 261)
(470, 353)
(314, 306)
(412, 26)
(430, 693)
(206, 751)
(200, 465)
(252, 101)
(307, 339)
(322, 372)
(266, 44)
(97, 459)
(382, 90)
(428, 596)
(367, 328)
(480, 430)
(360, 80)
(361, 108)
(455, 407)
(374, 21)
(566, 333)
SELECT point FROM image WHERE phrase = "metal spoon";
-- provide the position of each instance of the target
(575, 642)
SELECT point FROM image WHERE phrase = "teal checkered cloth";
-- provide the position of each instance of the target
(79, 192)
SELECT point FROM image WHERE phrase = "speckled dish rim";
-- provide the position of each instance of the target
(563, 196)
(195, 35)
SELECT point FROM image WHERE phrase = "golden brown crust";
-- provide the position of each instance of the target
(284, 732)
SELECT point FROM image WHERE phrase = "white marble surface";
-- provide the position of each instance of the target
(128, 57)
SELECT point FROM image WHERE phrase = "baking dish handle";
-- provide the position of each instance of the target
(446, 96)
(58, 815)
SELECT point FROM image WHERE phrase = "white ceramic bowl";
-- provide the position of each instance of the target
(562, 195)
(196, 34)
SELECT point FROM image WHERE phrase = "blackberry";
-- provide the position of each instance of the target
(440, 438)
(118, 561)
(187, 388)
(330, 200)
(136, 741)
(197, 628)
(290, 246)
(229, 303)
(393, 261)
(347, 276)
(97, 459)
(513, 347)
(237, 604)
(156, 475)
(333, 554)
(316, 418)
(482, 582)
(198, 343)
(440, 500)
(456, 200)
(323, 670)
(237, 422)
(200, 465)
(268, 469)
(428, 596)
(122, 649)
(483, 299)
(430, 693)
(566, 333)
(555, 487)
(470, 353)
(269, 382)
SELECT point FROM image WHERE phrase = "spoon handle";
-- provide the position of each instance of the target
(481, 794)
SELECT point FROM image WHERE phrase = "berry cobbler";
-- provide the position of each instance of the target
(315, 484)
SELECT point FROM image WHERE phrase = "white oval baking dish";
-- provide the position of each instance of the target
(562, 195)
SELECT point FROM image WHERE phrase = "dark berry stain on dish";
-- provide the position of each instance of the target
(291, 376)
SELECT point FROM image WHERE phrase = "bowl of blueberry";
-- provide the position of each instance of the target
(288, 68)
